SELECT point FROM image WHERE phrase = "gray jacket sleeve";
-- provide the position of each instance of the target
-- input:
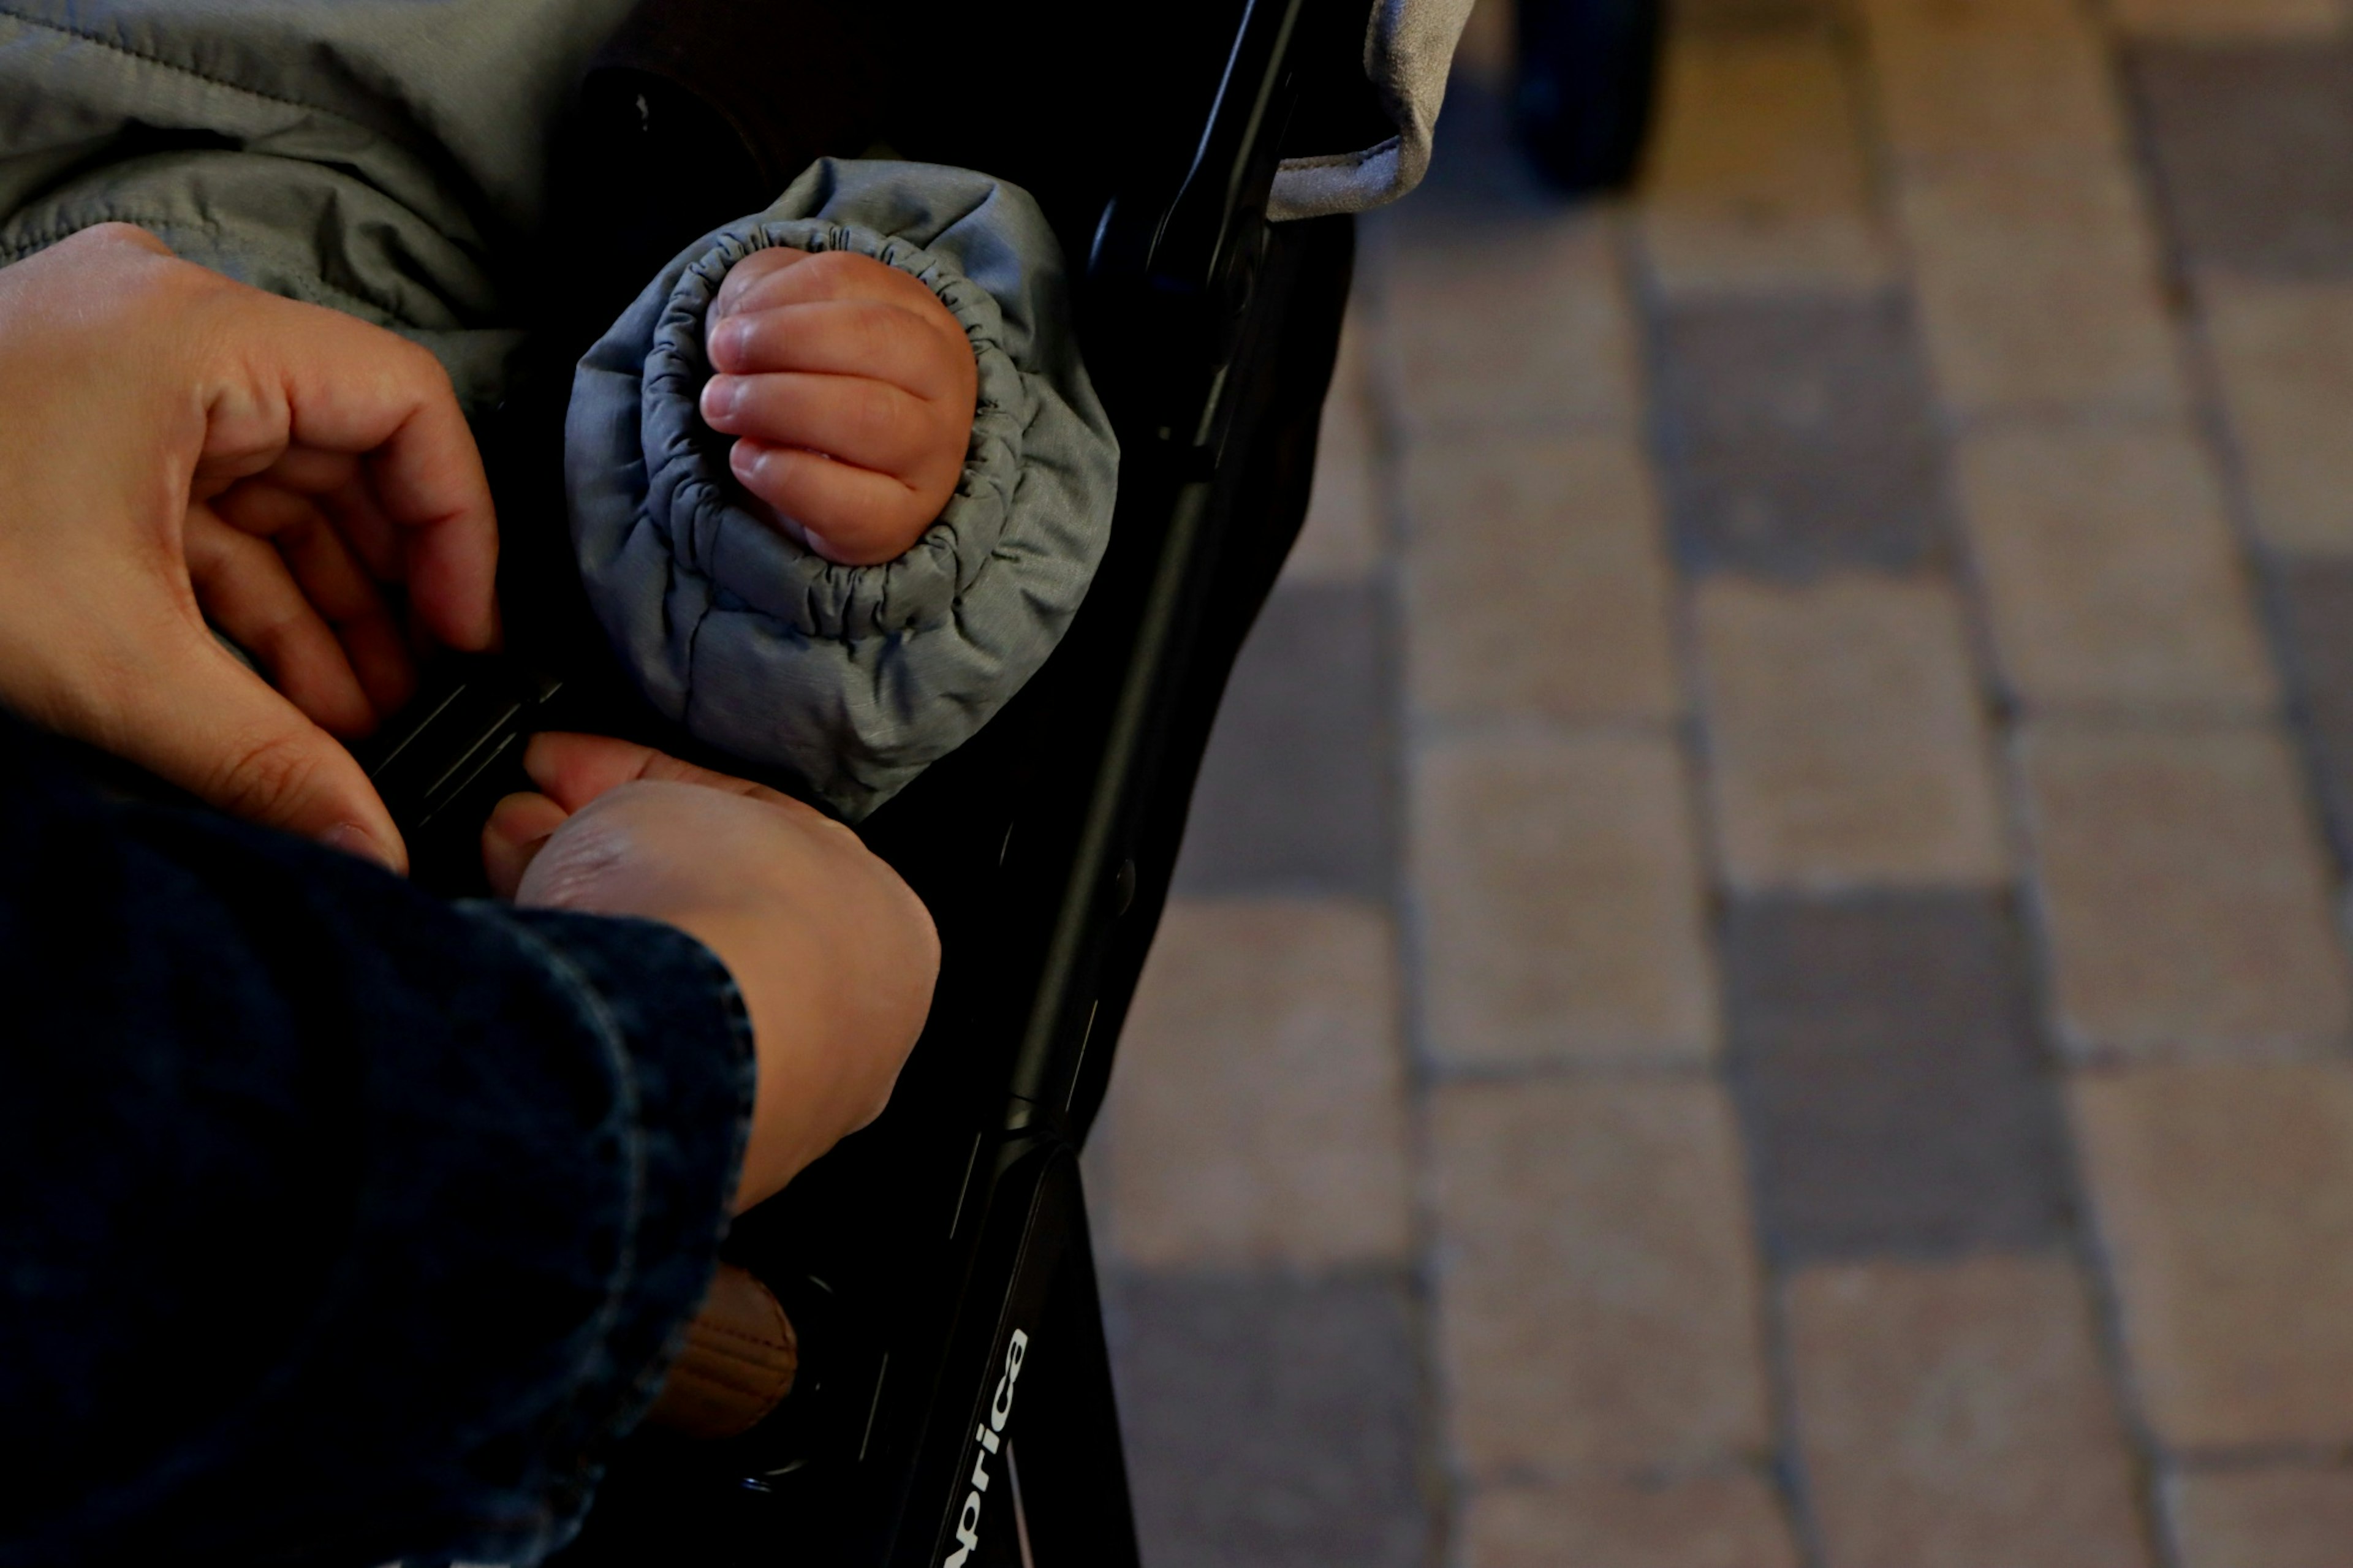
(854, 677)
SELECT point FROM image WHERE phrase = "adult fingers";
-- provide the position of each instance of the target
(575, 769)
(159, 691)
(214, 728)
(140, 367)
(338, 485)
(334, 581)
(301, 375)
(248, 591)
(380, 541)
(845, 514)
(266, 374)
(879, 339)
(513, 836)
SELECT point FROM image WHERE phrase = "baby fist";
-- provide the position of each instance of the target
(849, 390)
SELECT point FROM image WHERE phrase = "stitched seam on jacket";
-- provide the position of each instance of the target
(19, 249)
(319, 291)
(173, 65)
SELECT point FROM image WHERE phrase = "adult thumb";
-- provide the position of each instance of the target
(221, 733)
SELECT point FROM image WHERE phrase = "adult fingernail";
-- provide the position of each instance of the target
(355, 840)
(719, 395)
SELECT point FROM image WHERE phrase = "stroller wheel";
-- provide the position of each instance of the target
(1581, 105)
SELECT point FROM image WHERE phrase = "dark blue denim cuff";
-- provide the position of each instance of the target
(663, 1002)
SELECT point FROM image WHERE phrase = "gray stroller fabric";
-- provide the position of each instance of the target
(1409, 47)
(854, 677)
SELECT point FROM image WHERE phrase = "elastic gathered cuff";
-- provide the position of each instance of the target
(855, 679)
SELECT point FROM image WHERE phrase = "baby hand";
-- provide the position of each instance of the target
(850, 388)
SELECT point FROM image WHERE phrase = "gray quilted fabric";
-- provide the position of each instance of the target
(855, 678)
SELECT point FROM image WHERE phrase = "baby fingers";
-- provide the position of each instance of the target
(884, 340)
(870, 423)
(845, 514)
(767, 278)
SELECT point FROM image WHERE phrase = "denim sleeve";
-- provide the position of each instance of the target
(337, 1223)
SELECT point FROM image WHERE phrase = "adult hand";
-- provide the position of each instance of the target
(179, 444)
(835, 956)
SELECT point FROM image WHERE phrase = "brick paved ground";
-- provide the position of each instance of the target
(1758, 980)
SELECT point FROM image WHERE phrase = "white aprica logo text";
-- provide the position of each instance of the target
(1001, 1410)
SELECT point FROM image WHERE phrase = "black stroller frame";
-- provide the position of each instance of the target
(955, 1406)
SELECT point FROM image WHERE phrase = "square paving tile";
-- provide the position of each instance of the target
(2112, 577)
(1847, 742)
(1294, 795)
(2254, 154)
(1270, 1420)
(2278, 1517)
(1796, 434)
(2184, 891)
(2283, 352)
(1705, 1522)
(1597, 1282)
(2039, 288)
(1516, 324)
(2317, 600)
(2224, 1199)
(1257, 1111)
(1884, 1060)
(1955, 1414)
(1991, 80)
(1537, 582)
(1754, 178)
(1558, 888)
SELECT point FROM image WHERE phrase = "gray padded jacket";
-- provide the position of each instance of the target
(371, 155)
(378, 156)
